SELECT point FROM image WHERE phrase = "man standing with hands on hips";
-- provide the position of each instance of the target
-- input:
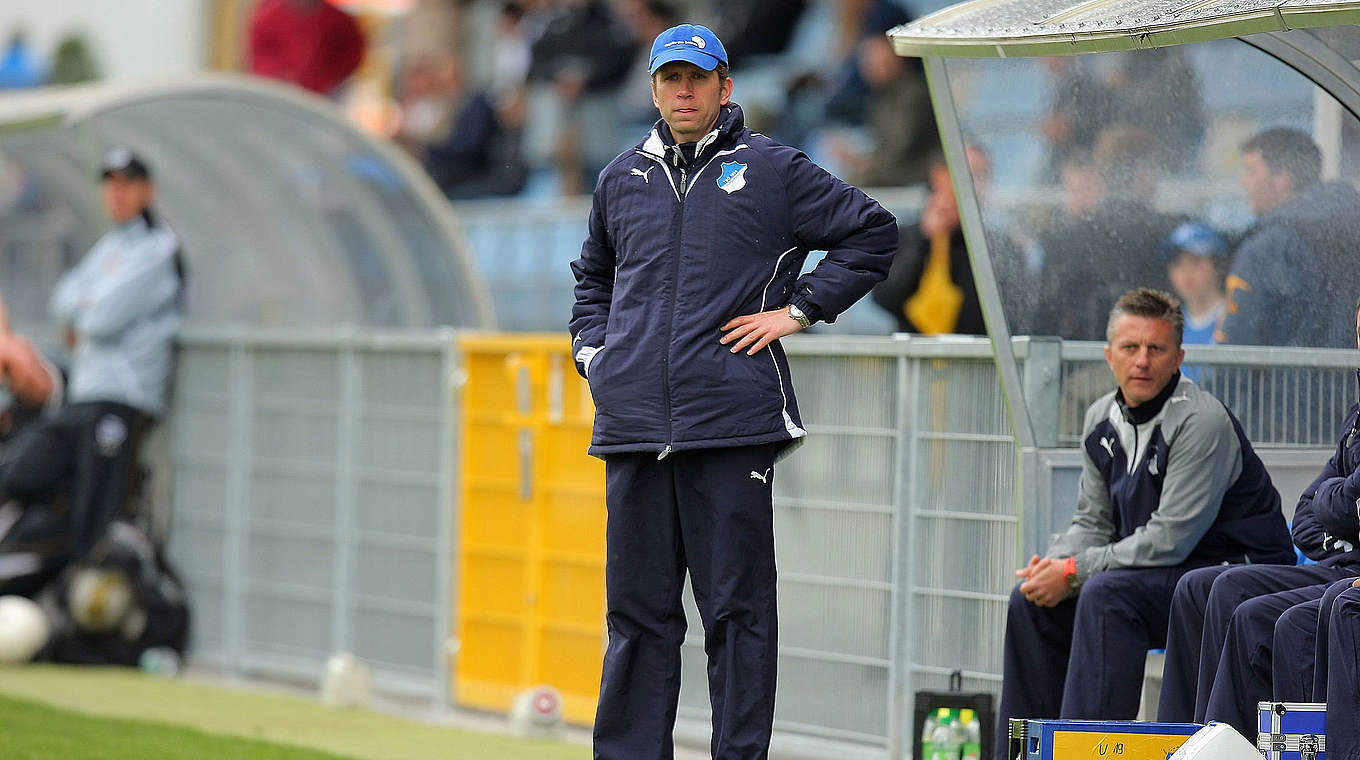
(687, 280)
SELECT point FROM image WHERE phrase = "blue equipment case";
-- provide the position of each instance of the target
(1293, 730)
(1053, 739)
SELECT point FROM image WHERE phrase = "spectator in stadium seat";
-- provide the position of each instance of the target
(121, 308)
(1284, 288)
(899, 117)
(1228, 623)
(578, 62)
(688, 278)
(1169, 483)
(1196, 259)
(1093, 257)
(929, 288)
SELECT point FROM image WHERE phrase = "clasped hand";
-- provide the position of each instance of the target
(1044, 581)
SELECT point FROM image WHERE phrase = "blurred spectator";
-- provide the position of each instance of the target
(1154, 90)
(1078, 110)
(468, 141)
(429, 87)
(1081, 184)
(900, 119)
(19, 68)
(310, 43)
(1288, 286)
(579, 58)
(1157, 90)
(929, 288)
(867, 114)
(433, 27)
(73, 63)
(1093, 257)
(646, 19)
(1196, 259)
(510, 53)
(756, 27)
(858, 19)
(481, 156)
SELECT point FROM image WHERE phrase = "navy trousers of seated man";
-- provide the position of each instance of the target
(710, 511)
(1299, 665)
(1244, 673)
(1343, 677)
(1084, 657)
(1201, 613)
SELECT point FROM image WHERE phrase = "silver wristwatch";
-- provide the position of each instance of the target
(797, 315)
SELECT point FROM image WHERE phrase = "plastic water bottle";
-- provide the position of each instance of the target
(159, 661)
(928, 736)
(972, 735)
(944, 741)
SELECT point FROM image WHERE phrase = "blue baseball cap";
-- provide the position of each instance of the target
(1194, 237)
(687, 42)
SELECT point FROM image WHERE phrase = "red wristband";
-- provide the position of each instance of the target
(1070, 569)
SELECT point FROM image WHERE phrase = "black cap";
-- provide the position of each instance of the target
(124, 162)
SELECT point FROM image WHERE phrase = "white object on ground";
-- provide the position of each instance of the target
(347, 682)
(1217, 741)
(537, 714)
(23, 629)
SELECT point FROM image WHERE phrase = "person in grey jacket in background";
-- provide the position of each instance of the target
(121, 309)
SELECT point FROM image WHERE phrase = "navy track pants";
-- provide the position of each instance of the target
(1243, 677)
(1201, 614)
(709, 511)
(1343, 677)
(1084, 658)
(1301, 648)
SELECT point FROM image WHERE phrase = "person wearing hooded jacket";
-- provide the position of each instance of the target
(688, 278)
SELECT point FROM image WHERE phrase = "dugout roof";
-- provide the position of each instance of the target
(289, 215)
(1011, 28)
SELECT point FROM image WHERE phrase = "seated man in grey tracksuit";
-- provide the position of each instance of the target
(1169, 483)
(121, 308)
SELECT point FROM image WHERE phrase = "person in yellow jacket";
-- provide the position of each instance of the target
(929, 289)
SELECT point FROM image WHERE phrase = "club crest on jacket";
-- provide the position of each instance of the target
(733, 177)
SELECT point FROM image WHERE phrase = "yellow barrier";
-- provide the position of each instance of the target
(531, 562)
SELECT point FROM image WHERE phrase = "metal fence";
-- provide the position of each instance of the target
(315, 510)
(313, 502)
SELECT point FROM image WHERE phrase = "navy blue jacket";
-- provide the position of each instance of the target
(1288, 286)
(1326, 526)
(678, 247)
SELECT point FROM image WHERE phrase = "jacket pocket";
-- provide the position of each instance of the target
(595, 375)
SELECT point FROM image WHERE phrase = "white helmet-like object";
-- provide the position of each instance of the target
(1217, 741)
(23, 629)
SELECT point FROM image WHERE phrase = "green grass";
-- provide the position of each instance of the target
(29, 730)
(178, 710)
